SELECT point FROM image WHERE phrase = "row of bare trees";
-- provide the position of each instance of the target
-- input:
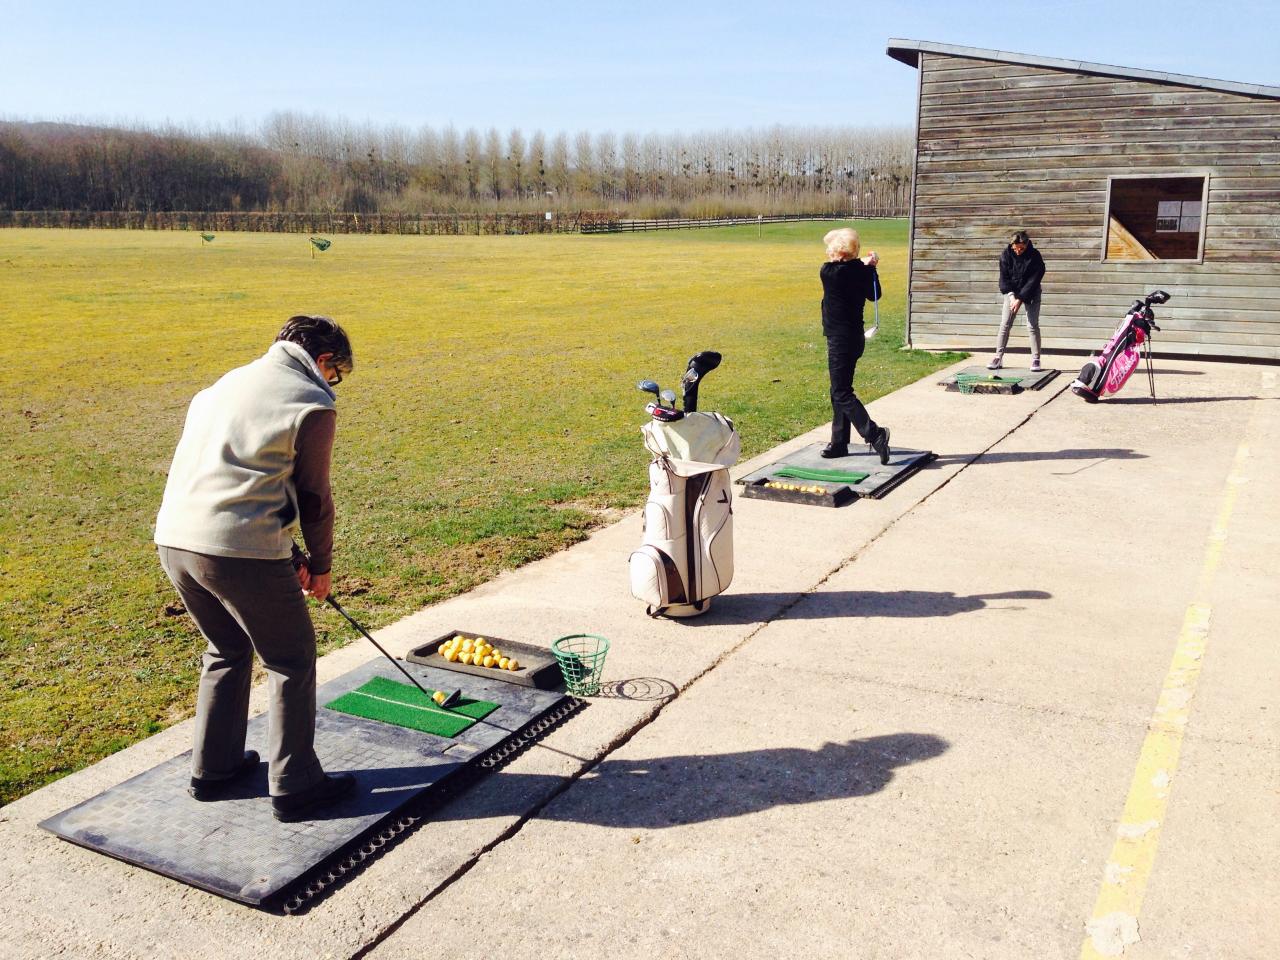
(302, 163)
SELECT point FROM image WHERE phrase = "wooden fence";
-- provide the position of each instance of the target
(312, 223)
(584, 221)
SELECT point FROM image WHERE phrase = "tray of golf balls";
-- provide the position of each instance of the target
(483, 656)
(816, 492)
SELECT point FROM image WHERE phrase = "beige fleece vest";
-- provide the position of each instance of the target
(230, 491)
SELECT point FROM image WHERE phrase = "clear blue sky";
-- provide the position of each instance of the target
(561, 65)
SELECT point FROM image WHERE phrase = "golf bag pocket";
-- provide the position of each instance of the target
(713, 524)
(654, 578)
(663, 481)
(660, 521)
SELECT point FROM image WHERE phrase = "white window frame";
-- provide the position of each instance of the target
(1179, 175)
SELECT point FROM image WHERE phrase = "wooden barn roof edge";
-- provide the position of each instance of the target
(908, 52)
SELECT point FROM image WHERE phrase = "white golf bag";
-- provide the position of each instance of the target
(687, 554)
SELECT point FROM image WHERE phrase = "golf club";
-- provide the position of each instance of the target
(665, 414)
(648, 386)
(450, 699)
(700, 364)
(875, 327)
(670, 397)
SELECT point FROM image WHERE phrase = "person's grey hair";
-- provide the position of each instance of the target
(842, 244)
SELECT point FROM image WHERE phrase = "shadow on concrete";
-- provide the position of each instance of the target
(1162, 400)
(1028, 456)
(886, 603)
(638, 688)
(696, 788)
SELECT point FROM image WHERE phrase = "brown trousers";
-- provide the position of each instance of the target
(243, 605)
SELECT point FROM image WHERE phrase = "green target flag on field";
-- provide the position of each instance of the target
(206, 238)
(321, 244)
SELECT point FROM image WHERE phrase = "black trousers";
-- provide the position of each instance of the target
(846, 409)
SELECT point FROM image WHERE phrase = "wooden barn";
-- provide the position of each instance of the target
(1127, 181)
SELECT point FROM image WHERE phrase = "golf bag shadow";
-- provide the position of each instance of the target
(686, 556)
(1110, 370)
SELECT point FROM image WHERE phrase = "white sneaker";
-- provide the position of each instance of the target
(1035, 365)
(996, 362)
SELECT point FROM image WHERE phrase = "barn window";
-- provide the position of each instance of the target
(1155, 218)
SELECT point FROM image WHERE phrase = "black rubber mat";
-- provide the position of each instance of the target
(767, 484)
(235, 848)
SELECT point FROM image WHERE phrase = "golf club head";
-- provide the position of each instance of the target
(670, 397)
(659, 412)
(451, 699)
(648, 386)
(704, 362)
(700, 364)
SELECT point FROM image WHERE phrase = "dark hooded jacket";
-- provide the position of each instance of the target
(1021, 275)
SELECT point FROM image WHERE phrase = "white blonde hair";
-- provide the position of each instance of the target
(842, 244)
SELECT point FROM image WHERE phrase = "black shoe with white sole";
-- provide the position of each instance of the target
(293, 807)
(832, 450)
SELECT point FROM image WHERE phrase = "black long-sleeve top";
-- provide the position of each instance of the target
(846, 287)
(1021, 275)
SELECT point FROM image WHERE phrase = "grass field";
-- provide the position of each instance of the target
(492, 418)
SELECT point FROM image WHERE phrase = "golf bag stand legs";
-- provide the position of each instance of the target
(1151, 373)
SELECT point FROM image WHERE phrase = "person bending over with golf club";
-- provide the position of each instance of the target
(253, 464)
(847, 284)
(1021, 270)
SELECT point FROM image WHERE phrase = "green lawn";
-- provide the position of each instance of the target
(492, 418)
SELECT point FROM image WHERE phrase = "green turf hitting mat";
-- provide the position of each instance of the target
(972, 382)
(818, 473)
(1006, 380)
(405, 706)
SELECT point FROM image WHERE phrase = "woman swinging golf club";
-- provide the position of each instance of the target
(847, 284)
(252, 464)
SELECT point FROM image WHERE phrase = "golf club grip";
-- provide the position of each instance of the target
(396, 663)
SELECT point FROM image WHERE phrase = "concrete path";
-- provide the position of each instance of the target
(1023, 707)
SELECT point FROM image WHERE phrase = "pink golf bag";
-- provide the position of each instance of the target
(1110, 370)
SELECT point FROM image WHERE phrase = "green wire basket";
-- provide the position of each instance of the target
(581, 658)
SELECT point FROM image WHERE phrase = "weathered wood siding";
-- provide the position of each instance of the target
(1004, 146)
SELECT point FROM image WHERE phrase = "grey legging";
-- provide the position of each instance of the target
(1031, 310)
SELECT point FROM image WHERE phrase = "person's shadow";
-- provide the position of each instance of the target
(867, 603)
(691, 788)
(1014, 456)
(1165, 400)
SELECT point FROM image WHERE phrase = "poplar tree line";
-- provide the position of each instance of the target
(301, 163)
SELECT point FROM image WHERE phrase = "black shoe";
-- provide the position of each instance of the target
(291, 807)
(206, 790)
(881, 444)
(832, 450)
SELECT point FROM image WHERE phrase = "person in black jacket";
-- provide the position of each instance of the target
(1021, 270)
(847, 284)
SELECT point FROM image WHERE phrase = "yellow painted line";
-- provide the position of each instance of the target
(1114, 924)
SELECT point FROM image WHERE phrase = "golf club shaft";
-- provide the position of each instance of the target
(334, 603)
